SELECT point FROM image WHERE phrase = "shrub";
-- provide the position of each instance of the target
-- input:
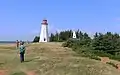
(95, 57)
(70, 43)
(36, 39)
(112, 64)
(103, 45)
(115, 57)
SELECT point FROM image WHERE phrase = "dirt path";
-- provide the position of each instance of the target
(3, 72)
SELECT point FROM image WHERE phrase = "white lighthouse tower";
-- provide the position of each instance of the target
(74, 34)
(44, 31)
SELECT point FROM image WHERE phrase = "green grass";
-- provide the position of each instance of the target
(51, 59)
(19, 73)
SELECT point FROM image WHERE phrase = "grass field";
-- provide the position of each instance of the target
(50, 59)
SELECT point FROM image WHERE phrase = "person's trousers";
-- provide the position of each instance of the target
(21, 57)
(17, 46)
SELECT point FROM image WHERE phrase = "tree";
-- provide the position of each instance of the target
(36, 39)
(96, 35)
(51, 37)
(109, 43)
(77, 33)
(56, 37)
(70, 33)
(80, 35)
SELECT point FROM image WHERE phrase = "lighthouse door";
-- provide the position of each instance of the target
(44, 39)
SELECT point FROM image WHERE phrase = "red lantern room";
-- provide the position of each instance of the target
(44, 22)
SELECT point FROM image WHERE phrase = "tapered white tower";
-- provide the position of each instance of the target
(44, 31)
(74, 34)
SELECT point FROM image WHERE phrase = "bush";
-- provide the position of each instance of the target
(112, 64)
(70, 43)
(115, 57)
(101, 53)
(88, 51)
(95, 57)
(103, 45)
(36, 39)
(65, 44)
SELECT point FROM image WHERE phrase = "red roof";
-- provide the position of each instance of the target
(44, 22)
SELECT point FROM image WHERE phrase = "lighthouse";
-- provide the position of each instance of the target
(74, 34)
(44, 31)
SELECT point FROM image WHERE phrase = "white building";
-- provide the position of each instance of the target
(74, 34)
(44, 31)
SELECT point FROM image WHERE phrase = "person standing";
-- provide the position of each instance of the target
(22, 51)
(17, 44)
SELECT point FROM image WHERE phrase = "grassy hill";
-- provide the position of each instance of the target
(50, 59)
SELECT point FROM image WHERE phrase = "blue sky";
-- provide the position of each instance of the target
(21, 19)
